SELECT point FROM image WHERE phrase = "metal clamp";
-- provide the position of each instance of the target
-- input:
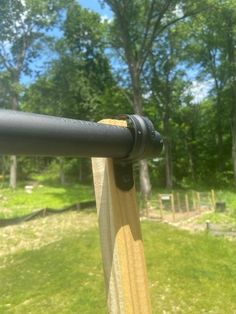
(147, 143)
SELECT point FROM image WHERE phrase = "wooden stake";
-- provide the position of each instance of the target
(161, 205)
(198, 202)
(121, 241)
(172, 206)
(178, 201)
(210, 207)
(194, 201)
(186, 203)
(213, 199)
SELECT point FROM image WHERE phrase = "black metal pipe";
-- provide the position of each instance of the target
(34, 134)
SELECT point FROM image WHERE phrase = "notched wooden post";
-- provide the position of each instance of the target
(121, 240)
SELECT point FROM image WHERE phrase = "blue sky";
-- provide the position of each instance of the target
(199, 89)
(94, 5)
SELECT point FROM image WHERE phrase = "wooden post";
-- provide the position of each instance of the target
(194, 201)
(198, 202)
(186, 203)
(121, 241)
(213, 200)
(172, 206)
(161, 205)
(210, 207)
(178, 201)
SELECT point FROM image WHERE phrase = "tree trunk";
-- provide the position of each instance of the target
(62, 171)
(136, 86)
(81, 172)
(145, 184)
(13, 171)
(234, 152)
(233, 90)
(4, 167)
(13, 160)
(190, 160)
(191, 165)
(231, 58)
(219, 129)
(168, 164)
(168, 148)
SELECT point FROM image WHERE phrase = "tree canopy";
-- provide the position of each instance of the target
(147, 59)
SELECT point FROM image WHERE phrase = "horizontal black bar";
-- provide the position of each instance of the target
(33, 134)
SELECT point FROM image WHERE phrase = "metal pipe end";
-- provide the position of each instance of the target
(148, 143)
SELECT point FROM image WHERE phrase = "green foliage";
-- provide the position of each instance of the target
(158, 41)
(23, 33)
(79, 84)
(218, 218)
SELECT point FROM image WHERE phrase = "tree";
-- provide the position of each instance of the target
(79, 83)
(24, 25)
(164, 78)
(213, 48)
(136, 26)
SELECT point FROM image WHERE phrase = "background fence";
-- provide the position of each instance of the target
(178, 205)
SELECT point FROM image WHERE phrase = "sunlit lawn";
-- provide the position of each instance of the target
(19, 202)
(188, 273)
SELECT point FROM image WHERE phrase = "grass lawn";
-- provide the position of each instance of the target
(53, 265)
(19, 202)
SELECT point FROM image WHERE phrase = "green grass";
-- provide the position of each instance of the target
(19, 202)
(218, 218)
(63, 277)
(230, 198)
(188, 273)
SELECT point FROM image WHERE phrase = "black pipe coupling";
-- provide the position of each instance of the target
(147, 142)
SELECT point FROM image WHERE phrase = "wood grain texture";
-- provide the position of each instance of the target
(121, 241)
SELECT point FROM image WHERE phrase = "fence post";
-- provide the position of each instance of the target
(172, 206)
(194, 201)
(198, 202)
(121, 241)
(213, 199)
(186, 203)
(178, 202)
(161, 206)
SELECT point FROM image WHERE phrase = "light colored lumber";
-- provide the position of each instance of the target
(178, 201)
(198, 202)
(121, 242)
(187, 203)
(172, 206)
(161, 205)
(213, 199)
(194, 201)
